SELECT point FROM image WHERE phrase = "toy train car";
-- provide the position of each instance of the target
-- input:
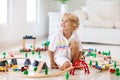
(101, 68)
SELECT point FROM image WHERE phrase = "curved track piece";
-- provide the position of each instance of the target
(41, 75)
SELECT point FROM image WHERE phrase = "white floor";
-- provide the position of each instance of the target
(79, 74)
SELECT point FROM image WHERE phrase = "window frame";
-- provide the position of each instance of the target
(9, 14)
(36, 13)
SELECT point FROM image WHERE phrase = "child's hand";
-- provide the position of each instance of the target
(54, 66)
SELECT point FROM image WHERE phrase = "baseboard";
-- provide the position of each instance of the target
(98, 43)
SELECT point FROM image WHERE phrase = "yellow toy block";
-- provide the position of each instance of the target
(14, 66)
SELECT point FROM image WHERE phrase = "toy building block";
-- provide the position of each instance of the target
(35, 68)
(44, 66)
(67, 75)
(2, 66)
(16, 70)
(112, 70)
(46, 70)
(25, 72)
(29, 37)
(106, 53)
(41, 49)
(25, 50)
(90, 63)
(95, 50)
(39, 55)
(35, 63)
(3, 63)
(96, 63)
(23, 68)
(40, 67)
(46, 44)
(117, 72)
(4, 54)
(33, 52)
(90, 50)
(26, 55)
(13, 63)
(27, 62)
(115, 64)
(21, 50)
(99, 52)
(97, 67)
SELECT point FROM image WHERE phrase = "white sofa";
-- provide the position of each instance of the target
(100, 21)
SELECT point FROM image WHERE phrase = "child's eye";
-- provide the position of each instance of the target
(66, 21)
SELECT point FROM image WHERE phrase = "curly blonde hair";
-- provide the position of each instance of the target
(73, 19)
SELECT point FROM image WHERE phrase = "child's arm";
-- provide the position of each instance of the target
(53, 64)
(80, 54)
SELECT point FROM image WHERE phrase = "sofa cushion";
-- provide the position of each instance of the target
(92, 15)
(81, 14)
(99, 23)
(106, 9)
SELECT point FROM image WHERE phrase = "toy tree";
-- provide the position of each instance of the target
(67, 75)
(90, 63)
(115, 64)
(33, 52)
(39, 54)
(46, 70)
(96, 63)
(4, 54)
(117, 72)
(26, 55)
(95, 50)
(109, 53)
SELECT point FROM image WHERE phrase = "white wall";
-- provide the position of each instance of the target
(13, 33)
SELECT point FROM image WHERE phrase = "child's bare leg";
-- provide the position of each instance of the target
(66, 65)
(75, 53)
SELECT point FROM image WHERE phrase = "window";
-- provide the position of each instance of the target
(3, 11)
(31, 10)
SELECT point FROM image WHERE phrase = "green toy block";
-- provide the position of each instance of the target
(94, 55)
(117, 74)
(117, 70)
(25, 72)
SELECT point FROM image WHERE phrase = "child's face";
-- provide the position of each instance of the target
(66, 24)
